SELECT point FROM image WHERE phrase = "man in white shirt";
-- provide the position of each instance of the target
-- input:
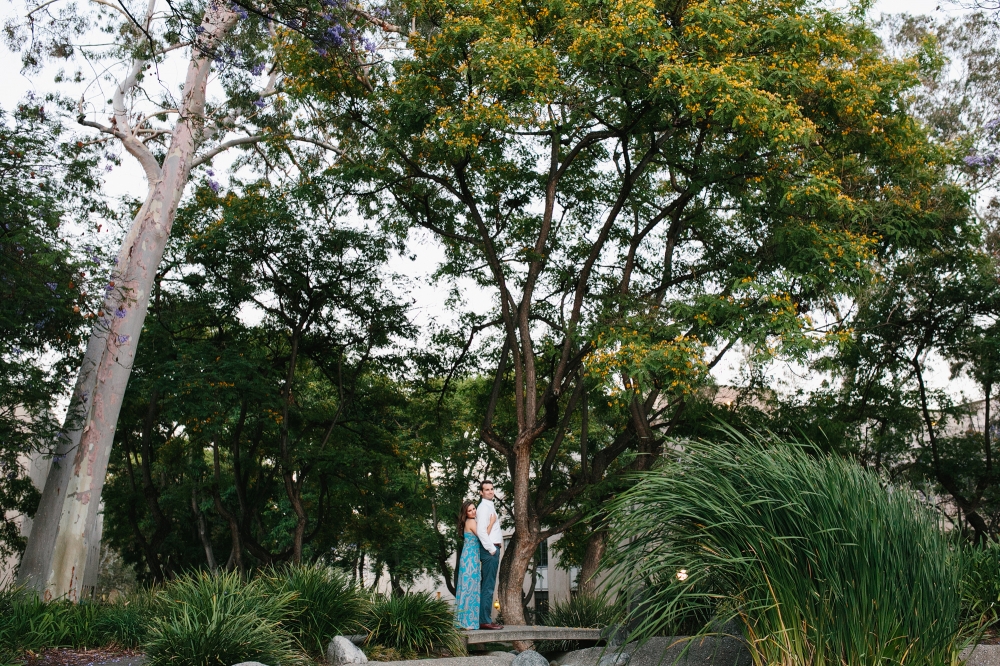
(490, 544)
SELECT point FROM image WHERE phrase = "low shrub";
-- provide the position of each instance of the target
(817, 561)
(326, 604)
(412, 624)
(220, 620)
(27, 623)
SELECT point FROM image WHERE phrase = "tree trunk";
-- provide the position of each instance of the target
(596, 544)
(55, 560)
(203, 535)
(292, 484)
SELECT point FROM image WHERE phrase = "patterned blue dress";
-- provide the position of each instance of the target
(467, 591)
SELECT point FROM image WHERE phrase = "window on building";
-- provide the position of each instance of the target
(543, 553)
(541, 606)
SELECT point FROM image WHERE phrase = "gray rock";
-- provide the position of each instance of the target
(502, 659)
(615, 659)
(250, 663)
(981, 655)
(357, 639)
(614, 635)
(342, 651)
(529, 658)
(707, 651)
(130, 660)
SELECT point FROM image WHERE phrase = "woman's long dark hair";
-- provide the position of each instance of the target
(463, 515)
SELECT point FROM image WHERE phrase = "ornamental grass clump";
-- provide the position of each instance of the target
(326, 604)
(981, 584)
(28, 623)
(220, 620)
(413, 623)
(815, 558)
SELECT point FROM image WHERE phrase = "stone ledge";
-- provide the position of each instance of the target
(496, 659)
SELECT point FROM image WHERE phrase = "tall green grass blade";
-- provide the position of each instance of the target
(816, 559)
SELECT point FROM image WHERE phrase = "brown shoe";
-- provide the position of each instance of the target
(492, 626)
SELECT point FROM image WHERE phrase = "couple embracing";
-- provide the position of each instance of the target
(478, 564)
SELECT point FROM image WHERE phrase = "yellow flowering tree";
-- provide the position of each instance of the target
(638, 185)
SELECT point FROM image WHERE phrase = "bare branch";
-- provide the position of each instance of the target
(224, 146)
(371, 18)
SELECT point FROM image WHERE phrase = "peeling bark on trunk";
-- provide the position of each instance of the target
(55, 560)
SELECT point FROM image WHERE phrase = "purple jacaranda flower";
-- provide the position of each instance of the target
(241, 12)
(109, 288)
(210, 172)
(122, 339)
(321, 52)
(16, 351)
(369, 45)
(51, 285)
(199, 29)
(993, 124)
(974, 160)
(115, 261)
(39, 324)
(333, 34)
(257, 70)
(214, 185)
(328, 16)
(260, 103)
(108, 168)
(121, 312)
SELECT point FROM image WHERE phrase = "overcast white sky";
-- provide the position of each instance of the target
(430, 299)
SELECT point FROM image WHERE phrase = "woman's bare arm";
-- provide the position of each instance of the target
(493, 520)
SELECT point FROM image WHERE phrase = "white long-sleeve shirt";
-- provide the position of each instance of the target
(491, 538)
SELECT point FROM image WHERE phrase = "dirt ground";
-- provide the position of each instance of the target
(73, 657)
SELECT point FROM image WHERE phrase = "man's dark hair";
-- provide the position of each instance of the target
(483, 483)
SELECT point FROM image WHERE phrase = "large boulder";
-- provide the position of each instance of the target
(342, 651)
(249, 663)
(706, 651)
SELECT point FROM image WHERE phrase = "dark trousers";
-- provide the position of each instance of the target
(489, 580)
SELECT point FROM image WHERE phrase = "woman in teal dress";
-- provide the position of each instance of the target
(467, 590)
